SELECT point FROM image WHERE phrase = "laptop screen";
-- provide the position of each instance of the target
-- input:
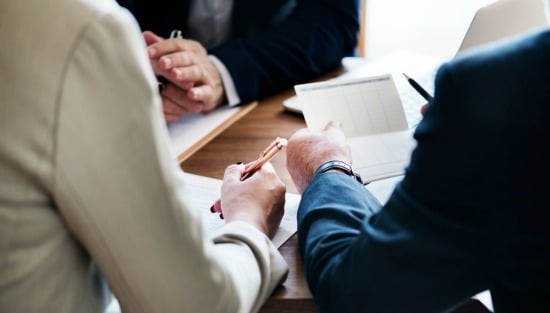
(502, 19)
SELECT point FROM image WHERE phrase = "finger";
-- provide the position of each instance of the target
(333, 124)
(200, 93)
(424, 108)
(184, 85)
(177, 59)
(216, 207)
(268, 168)
(179, 97)
(169, 46)
(210, 96)
(172, 118)
(334, 130)
(234, 172)
(190, 73)
(151, 38)
(265, 170)
(172, 108)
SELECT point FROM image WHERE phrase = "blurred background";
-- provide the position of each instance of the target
(431, 27)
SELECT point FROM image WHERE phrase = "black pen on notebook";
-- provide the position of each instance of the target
(419, 88)
(176, 33)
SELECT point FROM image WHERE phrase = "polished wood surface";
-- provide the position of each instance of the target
(247, 138)
(243, 141)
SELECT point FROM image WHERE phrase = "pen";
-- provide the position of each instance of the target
(419, 88)
(176, 33)
(277, 145)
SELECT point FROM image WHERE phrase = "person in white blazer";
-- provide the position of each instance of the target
(91, 199)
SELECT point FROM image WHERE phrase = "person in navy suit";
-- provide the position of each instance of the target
(471, 213)
(242, 50)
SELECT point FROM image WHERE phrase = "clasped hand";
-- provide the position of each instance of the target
(194, 83)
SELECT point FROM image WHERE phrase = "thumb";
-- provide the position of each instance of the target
(334, 131)
(234, 172)
(333, 124)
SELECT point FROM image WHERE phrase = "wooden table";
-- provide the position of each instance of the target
(243, 141)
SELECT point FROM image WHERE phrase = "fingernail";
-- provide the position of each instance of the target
(166, 62)
(195, 93)
(221, 216)
(239, 163)
(152, 52)
(212, 209)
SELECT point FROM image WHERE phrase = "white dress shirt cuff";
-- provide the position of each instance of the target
(228, 83)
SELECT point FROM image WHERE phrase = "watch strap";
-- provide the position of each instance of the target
(339, 165)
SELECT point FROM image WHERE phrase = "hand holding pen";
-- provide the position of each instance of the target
(253, 167)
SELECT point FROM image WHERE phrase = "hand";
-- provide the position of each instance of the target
(195, 83)
(308, 150)
(423, 108)
(258, 200)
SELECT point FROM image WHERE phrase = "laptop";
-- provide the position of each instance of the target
(502, 19)
(490, 23)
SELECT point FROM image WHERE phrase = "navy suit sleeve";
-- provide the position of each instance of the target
(357, 261)
(467, 216)
(309, 42)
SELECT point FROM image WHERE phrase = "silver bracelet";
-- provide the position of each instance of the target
(339, 165)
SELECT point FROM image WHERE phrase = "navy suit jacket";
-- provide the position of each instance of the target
(275, 44)
(472, 211)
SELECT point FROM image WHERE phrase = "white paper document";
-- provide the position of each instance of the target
(372, 117)
(206, 190)
(194, 130)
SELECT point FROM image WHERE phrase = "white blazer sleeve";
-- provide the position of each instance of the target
(118, 189)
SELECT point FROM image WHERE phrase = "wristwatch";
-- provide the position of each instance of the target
(341, 166)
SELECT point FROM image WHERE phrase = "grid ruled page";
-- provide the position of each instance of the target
(365, 106)
(372, 117)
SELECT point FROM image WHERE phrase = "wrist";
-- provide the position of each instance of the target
(339, 167)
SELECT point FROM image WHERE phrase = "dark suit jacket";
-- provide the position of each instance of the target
(275, 43)
(472, 211)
